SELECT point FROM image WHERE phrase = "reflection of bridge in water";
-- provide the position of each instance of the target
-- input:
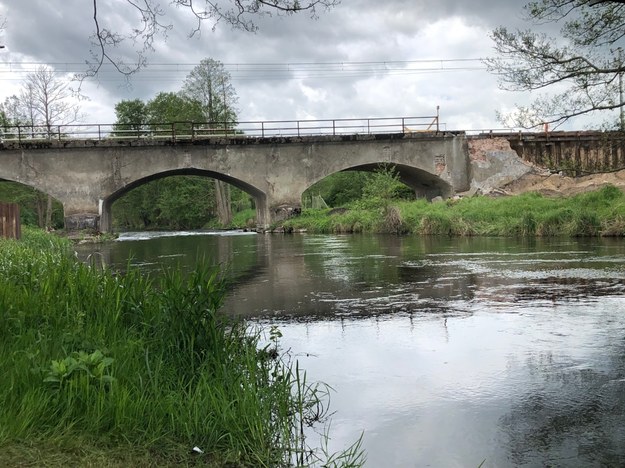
(88, 167)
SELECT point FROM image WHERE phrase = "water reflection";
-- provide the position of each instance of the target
(446, 352)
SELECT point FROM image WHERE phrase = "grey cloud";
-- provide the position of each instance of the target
(357, 30)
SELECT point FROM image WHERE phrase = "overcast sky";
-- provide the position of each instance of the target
(395, 38)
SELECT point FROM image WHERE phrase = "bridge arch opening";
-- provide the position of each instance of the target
(181, 199)
(353, 183)
(37, 208)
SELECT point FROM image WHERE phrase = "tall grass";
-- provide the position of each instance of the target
(95, 359)
(598, 213)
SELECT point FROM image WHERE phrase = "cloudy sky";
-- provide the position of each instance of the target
(363, 58)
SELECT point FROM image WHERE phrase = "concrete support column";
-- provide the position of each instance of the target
(268, 215)
(283, 201)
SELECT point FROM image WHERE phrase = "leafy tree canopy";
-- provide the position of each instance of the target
(583, 68)
(173, 107)
(210, 84)
(131, 115)
(180, 202)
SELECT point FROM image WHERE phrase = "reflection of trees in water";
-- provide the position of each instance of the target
(575, 418)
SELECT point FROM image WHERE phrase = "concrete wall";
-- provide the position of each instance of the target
(493, 163)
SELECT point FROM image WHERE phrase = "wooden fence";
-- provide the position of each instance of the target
(10, 220)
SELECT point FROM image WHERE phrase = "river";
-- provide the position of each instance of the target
(442, 352)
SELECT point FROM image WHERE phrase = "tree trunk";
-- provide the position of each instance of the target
(41, 211)
(49, 213)
(222, 197)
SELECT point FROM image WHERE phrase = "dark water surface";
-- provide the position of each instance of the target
(445, 352)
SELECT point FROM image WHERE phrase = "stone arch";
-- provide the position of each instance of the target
(37, 202)
(425, 184)
(260, 198)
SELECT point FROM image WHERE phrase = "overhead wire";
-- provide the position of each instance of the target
(12, 71)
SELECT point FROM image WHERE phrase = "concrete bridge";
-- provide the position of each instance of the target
(88, 174)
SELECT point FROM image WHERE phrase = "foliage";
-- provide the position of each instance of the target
(131, 117)
(181, 202)
(33, 204)
(599, 213)
(342, 188)
(172, 108)
(210, 84)
(97, 359)
(584, 69)
(177, 202)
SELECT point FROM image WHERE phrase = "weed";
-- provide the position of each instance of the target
(129, 360)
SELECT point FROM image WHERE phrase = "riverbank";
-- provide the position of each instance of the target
(103, 369)
(597, 213)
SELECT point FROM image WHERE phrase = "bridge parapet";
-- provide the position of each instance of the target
(214, 140)
(37, 136)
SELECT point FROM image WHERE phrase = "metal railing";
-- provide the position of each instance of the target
(184, 131)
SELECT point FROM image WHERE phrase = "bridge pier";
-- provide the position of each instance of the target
(83, 221)
(82, 215)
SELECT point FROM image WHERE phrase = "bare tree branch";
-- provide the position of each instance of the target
(239, 14)
(586, 61)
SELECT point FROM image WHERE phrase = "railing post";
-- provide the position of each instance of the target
(403, 125)
(19, 135)
(173, 132)
(368, 127)
(333, 127)
(262, 129)
(437, 118)
(298, 128)
(59, 129)
(99, 132)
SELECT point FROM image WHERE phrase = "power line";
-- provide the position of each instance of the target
(261, 71)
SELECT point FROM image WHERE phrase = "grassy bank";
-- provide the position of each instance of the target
(599, 213)
(108, 370)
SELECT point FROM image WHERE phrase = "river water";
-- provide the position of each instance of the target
(443, 352)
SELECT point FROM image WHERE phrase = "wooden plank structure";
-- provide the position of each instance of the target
(10, 226)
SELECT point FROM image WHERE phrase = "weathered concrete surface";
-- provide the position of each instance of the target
(578, 153)
(494, 164)
(88, 178)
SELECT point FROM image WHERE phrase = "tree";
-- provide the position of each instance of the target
(131, 117)
(585, 69)
(210, 85)
(173, 202)
(43, 103)
(238, 14)
(172, 110)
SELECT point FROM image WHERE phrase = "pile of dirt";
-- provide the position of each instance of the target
(558, 184)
